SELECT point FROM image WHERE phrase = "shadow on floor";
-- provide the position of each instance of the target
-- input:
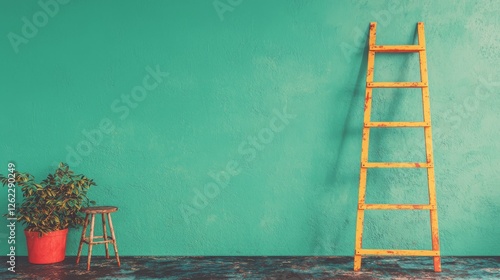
(277, 268)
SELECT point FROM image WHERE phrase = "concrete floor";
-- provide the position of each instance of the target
(278, 268)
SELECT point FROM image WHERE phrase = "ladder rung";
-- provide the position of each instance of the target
(397, 207)
(397, 124)
(395, 48)
(396, 84)
(396, 165)
(429, 253)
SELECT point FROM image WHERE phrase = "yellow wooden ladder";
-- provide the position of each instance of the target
(429, 164)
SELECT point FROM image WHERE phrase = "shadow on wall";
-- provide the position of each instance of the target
(336, 199)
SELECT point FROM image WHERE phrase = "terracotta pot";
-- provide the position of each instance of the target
(50, 248)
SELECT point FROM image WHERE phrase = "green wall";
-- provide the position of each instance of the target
(233, 127)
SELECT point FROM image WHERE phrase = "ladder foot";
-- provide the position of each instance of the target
(357, 263)
(437, 264)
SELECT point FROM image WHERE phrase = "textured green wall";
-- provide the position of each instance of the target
(233, 127)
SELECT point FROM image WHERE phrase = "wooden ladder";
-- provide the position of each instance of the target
(429, 164)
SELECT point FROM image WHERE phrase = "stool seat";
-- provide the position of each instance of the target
(105, 212)
(99, 209)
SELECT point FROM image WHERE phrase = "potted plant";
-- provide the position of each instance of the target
(49, 209)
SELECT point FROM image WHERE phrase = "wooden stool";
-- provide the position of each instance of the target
(106, 239)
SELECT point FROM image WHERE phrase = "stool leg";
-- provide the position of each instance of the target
(85, 224)
(105, 235)
(91, 241)
(114, 238)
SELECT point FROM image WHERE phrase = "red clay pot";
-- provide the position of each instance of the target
(50, 248)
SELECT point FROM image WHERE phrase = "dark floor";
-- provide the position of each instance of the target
(278, 268)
